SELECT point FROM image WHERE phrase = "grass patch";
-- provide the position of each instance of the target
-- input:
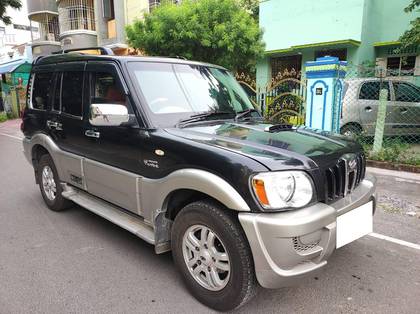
(3, 116)
(395, 151)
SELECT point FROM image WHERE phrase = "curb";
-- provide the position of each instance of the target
(392, 166)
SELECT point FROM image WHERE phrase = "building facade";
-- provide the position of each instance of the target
(111, 18)
(43, 14)
(357, 31)
(72, 24)
(15, 59)
(63, 24)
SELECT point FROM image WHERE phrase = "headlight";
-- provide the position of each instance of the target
(282, 189)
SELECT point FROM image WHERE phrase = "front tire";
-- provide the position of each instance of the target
(210, 249)
(50, 186)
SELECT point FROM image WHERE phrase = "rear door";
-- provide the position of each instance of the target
(368, 102)
(406, 108)
(40, 95)
(65, 120)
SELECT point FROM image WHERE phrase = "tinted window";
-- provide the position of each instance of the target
(107, 89)
(370, 90)
(72, 93)
(41, 90)
(57, 92)
(406, 92)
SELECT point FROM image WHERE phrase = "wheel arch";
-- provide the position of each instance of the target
(186, 183)
(179, 198)
(39, 145)
(37, 151)
(353, 124)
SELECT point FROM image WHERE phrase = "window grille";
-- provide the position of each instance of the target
(76, 15)
(48, 29)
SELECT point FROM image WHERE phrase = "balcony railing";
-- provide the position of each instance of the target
(48, 28)
(76, 15)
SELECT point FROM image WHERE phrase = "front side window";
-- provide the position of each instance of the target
(41, 90)
(107, 89)
(72, 93)
(370, 90)
(176, 91)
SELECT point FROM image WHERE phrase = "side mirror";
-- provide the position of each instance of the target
(108, 114)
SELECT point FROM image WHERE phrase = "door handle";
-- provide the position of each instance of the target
(368, 109)
(54, 125)
(92, 133)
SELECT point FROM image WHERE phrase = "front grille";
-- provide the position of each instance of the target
(342, 178)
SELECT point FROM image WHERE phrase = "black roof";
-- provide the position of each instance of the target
(69, 57)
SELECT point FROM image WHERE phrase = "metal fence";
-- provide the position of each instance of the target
(380, 108)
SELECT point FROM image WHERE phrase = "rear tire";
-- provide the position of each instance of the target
(222, 260)
(50, 186)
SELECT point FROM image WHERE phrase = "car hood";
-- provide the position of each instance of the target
(298, 147)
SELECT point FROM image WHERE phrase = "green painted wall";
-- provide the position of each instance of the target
(301, 22)
(288, 23)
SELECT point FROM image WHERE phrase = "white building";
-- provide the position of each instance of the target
(14, 37)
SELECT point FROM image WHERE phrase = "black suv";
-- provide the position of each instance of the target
(174, 152)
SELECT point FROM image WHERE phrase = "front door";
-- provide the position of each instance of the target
(112, 166)
(406, 108)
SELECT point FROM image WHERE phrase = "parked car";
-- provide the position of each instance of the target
(361, 101)
(173, 151)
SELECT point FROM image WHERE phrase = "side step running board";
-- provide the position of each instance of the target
(112, 213)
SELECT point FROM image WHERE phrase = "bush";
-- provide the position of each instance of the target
(395, 151)
(3, 116)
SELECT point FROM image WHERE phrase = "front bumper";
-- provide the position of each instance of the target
(289, 246)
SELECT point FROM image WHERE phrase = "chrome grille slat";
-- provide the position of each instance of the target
(340, 179)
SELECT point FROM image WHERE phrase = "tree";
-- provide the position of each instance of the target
(251, 6)
(4, 4)
(214, 31)
(411, 37)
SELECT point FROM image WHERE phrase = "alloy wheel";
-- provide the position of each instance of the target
(206, 257)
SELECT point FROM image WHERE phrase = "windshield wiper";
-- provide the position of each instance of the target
(243, 114)
(203, 117)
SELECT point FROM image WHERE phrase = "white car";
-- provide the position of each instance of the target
(361, 101)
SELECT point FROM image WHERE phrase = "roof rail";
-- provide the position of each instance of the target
(103, 50)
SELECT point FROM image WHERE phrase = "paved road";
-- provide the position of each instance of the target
(76, 262)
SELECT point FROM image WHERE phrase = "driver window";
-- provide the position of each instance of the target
(107, 89)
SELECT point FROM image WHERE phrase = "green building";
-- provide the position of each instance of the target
(357, 31)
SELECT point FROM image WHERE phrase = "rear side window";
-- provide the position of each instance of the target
(370, 90)
(41, 90)
(72, 93)
(406, 92)
(57, 93)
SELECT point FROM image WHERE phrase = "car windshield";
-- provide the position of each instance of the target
(175, 92)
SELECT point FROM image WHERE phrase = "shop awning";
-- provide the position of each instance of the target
(9, 67)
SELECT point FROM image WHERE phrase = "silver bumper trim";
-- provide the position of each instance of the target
(277, 261)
